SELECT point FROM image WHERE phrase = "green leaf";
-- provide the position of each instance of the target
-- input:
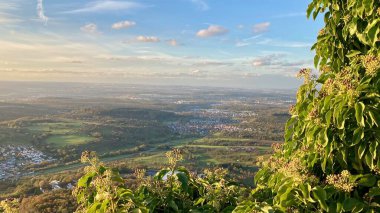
(310, 9)
(101, 169)
(324, 139)
(363, 38)
(352, 26)
(173, 205)
(125, 193)
(373, 30)
(200, 201)
(184, 180)
(353, 53)
(86, 179)
(335, 6)
(367, 180)
(316, 61)
(94, 207)
(373, 192)
(320, 195)
(359, 109)
(375, 117)
(362, 149)
(350, 204)
(368, 5)
(369, 160)
(316, 12)
(357, 136)
(140, 210)
(373, 148)
(328, 117)
(159, 175)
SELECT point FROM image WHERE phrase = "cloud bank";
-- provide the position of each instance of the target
(123, 25)
(173, 42)
(90, 28)
(212, 30)
(261, 27)
(152, 39)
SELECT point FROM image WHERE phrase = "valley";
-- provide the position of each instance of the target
(131, 127)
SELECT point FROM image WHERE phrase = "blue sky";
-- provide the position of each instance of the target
(239, 43)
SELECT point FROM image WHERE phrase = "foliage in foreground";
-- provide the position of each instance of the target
(330, 161)
(173, 189)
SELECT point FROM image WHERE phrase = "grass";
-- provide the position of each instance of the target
(57, 128)
(215, 138)
(9, 136)
(63, 140)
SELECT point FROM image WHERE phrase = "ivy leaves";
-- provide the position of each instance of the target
(335, 123)
(172, 189)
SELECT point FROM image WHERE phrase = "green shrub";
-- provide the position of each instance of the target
(173, 189)
(330, 160)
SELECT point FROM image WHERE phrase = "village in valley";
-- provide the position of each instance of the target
(14, 159)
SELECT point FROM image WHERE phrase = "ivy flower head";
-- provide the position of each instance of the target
(89, 157)
(140, 173)
(341, 181)
(174, 156)
(277, 147)
(371, 63)
(292, 110)
(347, 18)
(325, 69)
(322, 32)
(313, 114)
(305, 74)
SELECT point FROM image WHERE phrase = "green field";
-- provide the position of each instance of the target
(63, 140)
(56, 127)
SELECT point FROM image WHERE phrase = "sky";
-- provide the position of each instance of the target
(233, 43)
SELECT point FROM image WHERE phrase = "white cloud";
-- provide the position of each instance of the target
(279, 62)
(173, 42)
(90, 28)
(261, 27)
(202, 5)
(41, 12)
(123, 25)
(212, 30)
(282, 43)
(107, 5)
(247, 41)
(148, 39)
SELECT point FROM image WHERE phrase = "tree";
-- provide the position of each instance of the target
(331, 157)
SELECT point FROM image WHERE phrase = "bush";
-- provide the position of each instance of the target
(173, 189)
(330, 160)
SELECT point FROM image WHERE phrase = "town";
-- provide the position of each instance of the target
(14, 159)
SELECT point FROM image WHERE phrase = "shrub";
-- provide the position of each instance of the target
(330, 160)
(173, 189)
